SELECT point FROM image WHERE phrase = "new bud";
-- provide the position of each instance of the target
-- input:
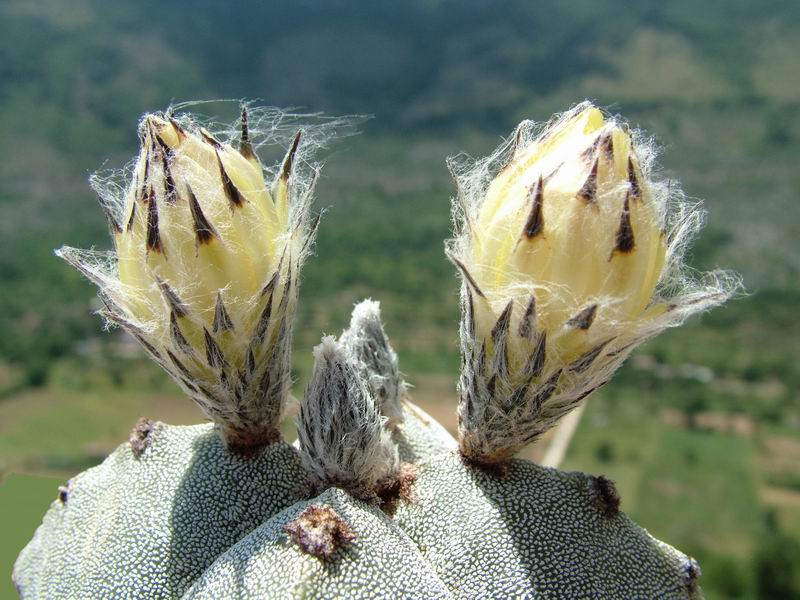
(569, 260)
(369, 343)
(343, 440)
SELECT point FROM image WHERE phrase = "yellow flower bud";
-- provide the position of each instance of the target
(205, 273)
(569, 260)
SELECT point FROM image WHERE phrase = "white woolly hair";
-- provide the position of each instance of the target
(269, 129)
(497, 417)
(343, 441)
(240, 382)
(367, 341)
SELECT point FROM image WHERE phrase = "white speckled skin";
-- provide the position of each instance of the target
(382, 562)
(148, 527)
(419, 435)
(187, 515)
(533, 532)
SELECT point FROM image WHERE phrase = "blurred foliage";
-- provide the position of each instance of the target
(700, 430)
(776, 568)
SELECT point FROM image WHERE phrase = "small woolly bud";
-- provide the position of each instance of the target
(368, 342)
(341, 432)
(570, 254)
(206, 270)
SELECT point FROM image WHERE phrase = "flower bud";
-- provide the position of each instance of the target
(569, 259)
(205, 272)
(368, 342)
(343, 440)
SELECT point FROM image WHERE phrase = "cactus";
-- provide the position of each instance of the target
(569, 257)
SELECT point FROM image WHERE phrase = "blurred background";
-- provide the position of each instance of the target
(700, 430)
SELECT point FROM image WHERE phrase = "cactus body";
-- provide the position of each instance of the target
(186, 516)
(148, 526)
(381, 552)
(534, 532)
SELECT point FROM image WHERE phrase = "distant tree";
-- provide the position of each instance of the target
(777, 564)
(604, 452)
(776, 128)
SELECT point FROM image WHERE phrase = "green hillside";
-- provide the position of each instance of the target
(701, 430)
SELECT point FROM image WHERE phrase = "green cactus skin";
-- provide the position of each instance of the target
(421, 435)
(188, 515)
(158, 511)
(381, 562)
(147, 527)
(535, 532)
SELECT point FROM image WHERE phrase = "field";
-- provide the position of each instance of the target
(700, 430)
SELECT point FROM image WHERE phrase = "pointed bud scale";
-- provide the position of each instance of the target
(584, 319)
(113, 225)
(209, 138)
(245, 146)
(129, 226)
(535, 364)
(625, 240)
(280, 187)
(527, 324)
(232, 192)
(633, 180)
(174, 303)
(203, 229)
(342, 437)
(500, 329)
(169, 183)
(286, 168)
(198, 238)
(181, 134)
(607, 145)
(153, 233)
(178, 339)
(534, 226)
(564, 262)
(214, 356)
(222, 321)
(588, 192)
